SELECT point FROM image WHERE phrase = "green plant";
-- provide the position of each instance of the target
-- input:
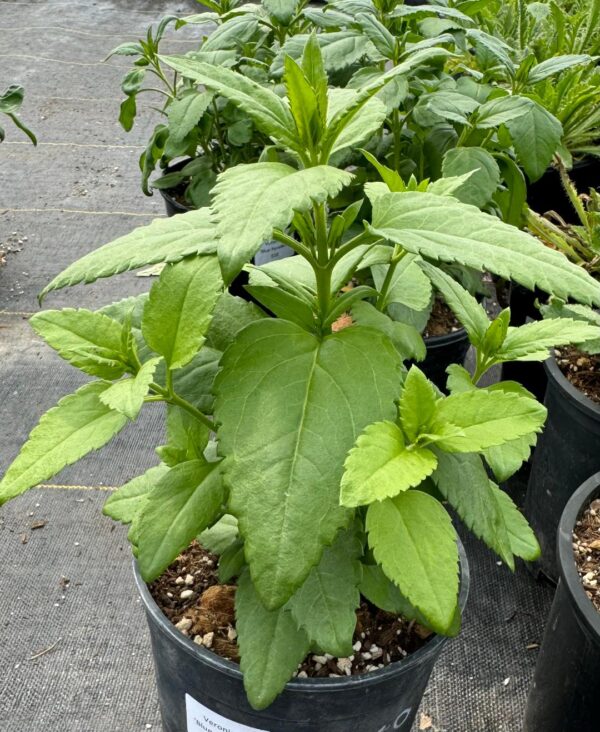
(331, 457)
(206, 131)
(548, 52)
(10, 103)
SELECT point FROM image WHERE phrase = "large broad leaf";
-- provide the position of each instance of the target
(124, 504)
(480, 187)
(413, 540)
(474, 420)
(522, 539)
(269, 112)
(252, 200)
(178, 311)
(164, 240)
(230, 315)
(442, 106)
(90, 341)
(271, 645)
(185, 501)
(325, 606)
(78, 424)
(340, 49)
(194, 381)
(440, 228)
(366, 122)
(127, 395)
(289, 407)
(283, 10)
(381, 465)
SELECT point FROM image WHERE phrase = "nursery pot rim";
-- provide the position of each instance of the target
(445, 338)
(230, 668)
(566, 558)
(165, 192)
(571, 393)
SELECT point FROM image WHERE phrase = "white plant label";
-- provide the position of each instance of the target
(271, 251)
(203, 719)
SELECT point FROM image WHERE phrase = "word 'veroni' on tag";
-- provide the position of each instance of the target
(203, 719)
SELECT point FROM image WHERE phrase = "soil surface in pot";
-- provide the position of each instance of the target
(441, 321)
(586, 546)
(582, 370)
(190, 595)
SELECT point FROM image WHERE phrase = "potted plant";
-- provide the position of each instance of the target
(10, 103)
(568, 451)
(331, 458)
(564, 693)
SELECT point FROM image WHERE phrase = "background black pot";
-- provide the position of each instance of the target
(386, 699)
(441, 352)
(530, 374)
(547, 193)
(566, 687)
(567, 453)
(172, 202)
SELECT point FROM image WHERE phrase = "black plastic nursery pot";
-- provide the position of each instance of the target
(442, 351)
(530, 374)
(568, 451)
(198, 690)
(566, 685)
(547, 193)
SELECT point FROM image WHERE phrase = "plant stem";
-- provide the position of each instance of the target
(176, 400)
(398, 254)
(323, 268)
(297, 246)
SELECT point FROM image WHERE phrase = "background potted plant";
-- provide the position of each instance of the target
(565, 688)
(325, 445)
(568, 451)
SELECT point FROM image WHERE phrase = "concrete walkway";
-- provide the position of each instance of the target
(74, 651)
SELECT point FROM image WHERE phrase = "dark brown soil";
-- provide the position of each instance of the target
(441, 321)
(586, 546)
(206, 614)
(582, 370)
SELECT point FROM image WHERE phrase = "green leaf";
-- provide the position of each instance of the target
(408, 286)
(532, 341)
(367, 121)
(187, 437)
(555, 65)
(480, 187)
(505, 460)
(522, 539)
(378, 34)
(303, 102)
(413, 540)
(513, 196)
(78, 424)
(271, 645)
(236, 30)
(221, 535)
(284, 304)
(185, 501)
(464, 483)
(269, 112)
(289, 467)
(381, 465)
(472, 421)
(90, 341)
(185, 112)
(466, 308)
(417, 403)
(406, 339)
(164, 240)
(325, 606)
(127, 395)
(442, 106)
(124, 504)
(282, 10)
(194, 381)
(340, 49)
(178, 311)
(127, 113)
(252, 200)
(231, 561)
(230, 315)
(441, 228)
(535, 133)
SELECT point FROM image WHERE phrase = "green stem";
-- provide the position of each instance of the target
(297, 246)
(351, 244)
(397, 256)
(172, 398)
(217, 127)
(324, 267)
